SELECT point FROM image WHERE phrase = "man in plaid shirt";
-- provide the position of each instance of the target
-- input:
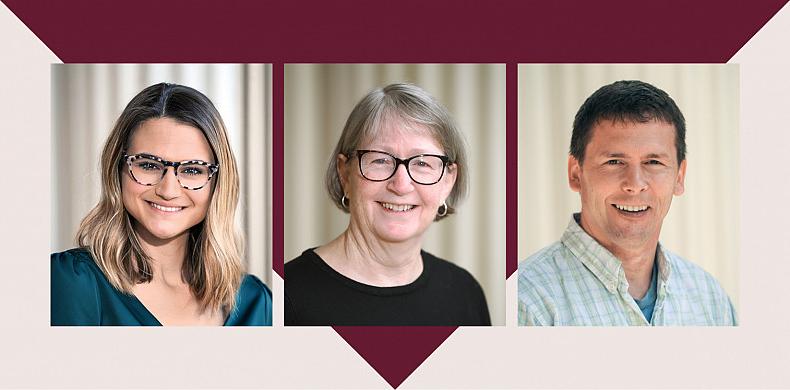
(627, 161)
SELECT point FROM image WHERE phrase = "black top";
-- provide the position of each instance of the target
(444, 294)
(82, 295)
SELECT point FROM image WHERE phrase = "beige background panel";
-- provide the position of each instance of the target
(318, 100)
(754, 355)
(702, 224)
(87, 99)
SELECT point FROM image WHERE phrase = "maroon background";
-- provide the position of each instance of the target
(348, 31)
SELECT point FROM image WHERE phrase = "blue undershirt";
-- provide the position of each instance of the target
(648, 302)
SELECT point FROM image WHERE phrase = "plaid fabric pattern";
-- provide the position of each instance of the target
(576, 281)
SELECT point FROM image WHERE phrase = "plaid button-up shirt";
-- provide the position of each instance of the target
(576, 281)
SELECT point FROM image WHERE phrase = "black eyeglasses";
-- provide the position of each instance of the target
(149, 170)
(425, 169)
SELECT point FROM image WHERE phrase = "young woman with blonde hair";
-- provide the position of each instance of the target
(161, 247)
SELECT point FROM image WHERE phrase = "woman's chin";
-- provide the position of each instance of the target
(398, 234)
(161, 233)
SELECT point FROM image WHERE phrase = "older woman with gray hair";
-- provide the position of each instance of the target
(399, 165)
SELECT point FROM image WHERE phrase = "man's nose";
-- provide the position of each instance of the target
(634, 181)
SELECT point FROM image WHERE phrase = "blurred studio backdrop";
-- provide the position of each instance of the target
(703, 224)
(318, 100)
(87, 99)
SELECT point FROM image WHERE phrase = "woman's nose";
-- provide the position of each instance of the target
(169, 187)
(401, 182)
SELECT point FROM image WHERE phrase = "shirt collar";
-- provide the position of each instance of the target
(602, 263)
(664, 270)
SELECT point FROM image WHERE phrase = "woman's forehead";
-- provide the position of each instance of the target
(403, 134)
(170, 139)
(393, 125)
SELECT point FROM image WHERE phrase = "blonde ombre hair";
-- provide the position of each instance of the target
(213, 267)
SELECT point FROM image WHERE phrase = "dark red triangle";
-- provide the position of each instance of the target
(395, 351)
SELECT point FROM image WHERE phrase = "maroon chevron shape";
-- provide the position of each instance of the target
(395, 351)
(399, 31)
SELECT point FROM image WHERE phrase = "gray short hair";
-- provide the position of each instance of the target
(411, 104)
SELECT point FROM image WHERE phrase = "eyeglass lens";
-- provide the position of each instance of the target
(381, 166)
(150, 172)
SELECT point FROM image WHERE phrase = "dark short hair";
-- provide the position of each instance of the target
(627, 101)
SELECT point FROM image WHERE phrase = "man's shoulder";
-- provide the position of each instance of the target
(689, 278)
(545, 263)
(542, 275)
(690, 284)
(538, 279)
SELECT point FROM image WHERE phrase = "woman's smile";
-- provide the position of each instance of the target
(396, 207)
(165, 209)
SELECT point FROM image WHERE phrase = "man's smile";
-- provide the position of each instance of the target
(632, 209)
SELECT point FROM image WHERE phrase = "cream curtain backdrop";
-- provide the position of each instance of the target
(702, 224)
(318, 100)
(87, 99)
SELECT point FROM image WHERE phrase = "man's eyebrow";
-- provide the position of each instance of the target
(623, 155)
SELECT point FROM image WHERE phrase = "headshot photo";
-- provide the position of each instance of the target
(160, 195)
(628, 195)
(394, 194)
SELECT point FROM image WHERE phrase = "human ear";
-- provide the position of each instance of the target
(574, 174)
(341, 170)
(680, 182)
(450, 175)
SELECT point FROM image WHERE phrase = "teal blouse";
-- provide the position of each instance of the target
(82, 295)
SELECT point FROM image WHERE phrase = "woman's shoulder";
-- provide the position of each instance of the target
(306, 268)
(450, 273)
(74, 263)
(74, 283)
(462, 285)
(74, 254)
(252, 286)
(253, 303)
(442, 266)
(306, 259)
